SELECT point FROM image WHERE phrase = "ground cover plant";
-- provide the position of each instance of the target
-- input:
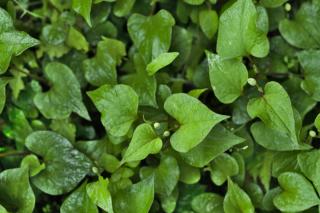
(136, 106)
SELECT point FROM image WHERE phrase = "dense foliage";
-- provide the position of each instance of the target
(186, 106)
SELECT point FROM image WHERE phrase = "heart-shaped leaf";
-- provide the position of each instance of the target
(196, 121)
(298, 193)
(151, 41)
(65, 166)
(304, 24)
(64, 96)
(118, 106)
(102, 68)
(275, 110)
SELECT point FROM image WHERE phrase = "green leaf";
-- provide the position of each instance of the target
(136, 198)
(284, 162)
(273, 139)
(196, 121)
(272, 3)
(118, 106)
(79, 201)
(12, 42)
(194, 2)
(19, 126)
(164, 59)
(166, 175)
(309, 62)
(32, 163)
(16, 193)
(317, 122)
(151, 41)
(3, 84)
(231, 72)
(209, 21)
(144, 142)
(99, 194)
(236, 200)
(309, 163)
(144, 85)
(222, 167)
(304, 25)
(275, 110)
(65, 128)
(64, 96)
(217, 142)
(298, 193)
(83, 7)
(102, 68)
(123, 7)
(65, 166)
(207, 203)
(77, 40)
(238, 32)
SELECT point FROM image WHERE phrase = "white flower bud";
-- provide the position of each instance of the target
(287, 7)
(252, 81)
(166, 134)
(312, 133)
(156, 125)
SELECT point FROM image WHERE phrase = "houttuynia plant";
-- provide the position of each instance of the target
(174, 106)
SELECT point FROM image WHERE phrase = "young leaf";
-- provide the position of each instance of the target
(164, 59)
(99, 194)
(136, 198)
(196, 121)
(207, 203)
(275, 110)
(144, 142)
(231, 72)
(79, 201)
(298, 193)
(237, 200)
(309, 61)
(83, 7)
(12, 42)
(102, 68)
(222, 167)
(238, 32)
(209, 21)
(64, 96)
(194, 2)
(118, 106)
(151, 41)
(217, 142)
(16, 193)
(65, 166)
(77, 40)
(301, 31)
